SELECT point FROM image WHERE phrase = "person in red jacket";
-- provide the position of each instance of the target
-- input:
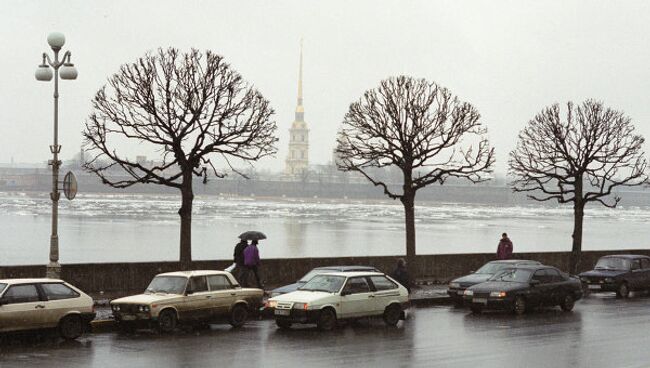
(504, 250)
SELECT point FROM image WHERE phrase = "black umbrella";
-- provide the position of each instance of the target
(252, 235)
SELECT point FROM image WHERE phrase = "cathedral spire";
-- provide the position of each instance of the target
(300, 111)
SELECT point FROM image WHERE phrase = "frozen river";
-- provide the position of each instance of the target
(115, 228)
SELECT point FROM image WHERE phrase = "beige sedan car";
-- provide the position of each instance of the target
(188, 296)
(29, 304)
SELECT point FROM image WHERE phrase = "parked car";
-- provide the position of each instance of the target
(457, 286)
(620, 273)
(188, 296)
(523, 288)
(316, 271)
(29, 304)
(330, 297)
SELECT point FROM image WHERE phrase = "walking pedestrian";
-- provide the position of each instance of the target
(252, 263)
(401, 274)
(238, 258)
(504, 249)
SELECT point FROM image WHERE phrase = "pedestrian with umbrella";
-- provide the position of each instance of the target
(252, 257)
(238, 259)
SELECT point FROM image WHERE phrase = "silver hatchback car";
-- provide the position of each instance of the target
(29, 304)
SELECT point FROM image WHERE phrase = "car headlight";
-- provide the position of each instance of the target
(609, 280)
(272, 303)
(454, 285)
(143, 308)
(498, 294)
(116, 308)
(468, 293)
(303, 306)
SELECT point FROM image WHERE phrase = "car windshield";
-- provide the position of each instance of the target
(312, 273)
(326, 283)
(167, 285)
(612, 263)
(512, 275)
(2, 287)
(493, 267)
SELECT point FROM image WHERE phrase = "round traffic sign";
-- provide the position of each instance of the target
(70, 185)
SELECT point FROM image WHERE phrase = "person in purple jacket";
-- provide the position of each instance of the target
(504, 249)
(252, 263)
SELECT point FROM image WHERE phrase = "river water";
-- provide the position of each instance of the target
(130, 228)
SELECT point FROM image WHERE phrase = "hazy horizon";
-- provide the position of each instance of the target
(509, 59)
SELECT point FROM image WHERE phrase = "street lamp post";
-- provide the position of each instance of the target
(44, 73)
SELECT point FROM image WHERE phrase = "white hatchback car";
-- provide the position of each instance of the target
(330, 297)
(29, 304)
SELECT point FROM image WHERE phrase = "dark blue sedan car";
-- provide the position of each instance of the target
(619, 273)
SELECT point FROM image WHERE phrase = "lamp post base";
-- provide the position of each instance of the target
(53, 270)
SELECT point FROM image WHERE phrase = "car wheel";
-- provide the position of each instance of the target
(283, 324)
(238, 315)
(476, 309)
(585, 290)
(327, 320)
(392, 314)
(623, 291)
(567, 303)
(71, 327)
(520, 305)
(167, 321)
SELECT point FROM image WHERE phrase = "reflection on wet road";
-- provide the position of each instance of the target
(600, 332)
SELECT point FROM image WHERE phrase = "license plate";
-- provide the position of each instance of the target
(128, 318)
(594, 287)
(282, 312)
(479, 300)
(460, 292)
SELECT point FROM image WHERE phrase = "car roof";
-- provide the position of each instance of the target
(517, 261)
(627, 256)
(28, 281)
(353, 274)
(346, 268)
(534, 267)
(194, 273)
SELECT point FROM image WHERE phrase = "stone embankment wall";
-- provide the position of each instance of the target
(125, 278)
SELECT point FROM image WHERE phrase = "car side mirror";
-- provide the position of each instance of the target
(534, 282)
(472, 271)
(345, 292)
(189, 292)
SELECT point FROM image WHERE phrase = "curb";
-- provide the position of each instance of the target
(437, 300)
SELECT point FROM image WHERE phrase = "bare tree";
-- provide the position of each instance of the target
(578, 159)
(191, 108)
(420, 129)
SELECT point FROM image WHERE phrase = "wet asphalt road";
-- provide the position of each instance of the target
(600, 332)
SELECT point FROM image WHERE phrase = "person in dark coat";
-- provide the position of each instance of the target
(238, 258)
(504, 249)
(252, 263)
(401, 274)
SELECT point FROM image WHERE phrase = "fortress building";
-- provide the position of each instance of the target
(297, 161)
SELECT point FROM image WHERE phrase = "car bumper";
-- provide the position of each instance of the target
(600, 288)
(132, 317)
(490, 303)
(297, 315)
(456, 294)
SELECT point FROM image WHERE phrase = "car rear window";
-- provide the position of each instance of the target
(58, 291)
(382, 283)
(219, 282)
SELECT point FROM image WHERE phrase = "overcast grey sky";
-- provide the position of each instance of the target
(508, 58)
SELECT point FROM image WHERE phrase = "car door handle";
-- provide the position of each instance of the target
(233, 294)
(209, 297)
(40, 306)
(371, 296)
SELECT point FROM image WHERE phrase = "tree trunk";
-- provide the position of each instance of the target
(408, 200)
(578, 216)
(185, 212)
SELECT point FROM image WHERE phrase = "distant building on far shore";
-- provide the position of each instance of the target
(297, 162)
